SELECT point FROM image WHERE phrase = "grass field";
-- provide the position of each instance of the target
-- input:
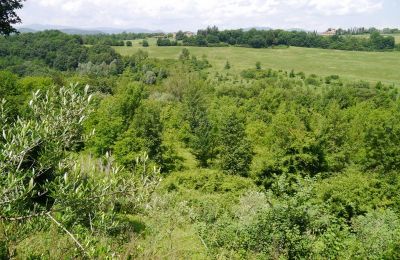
(370, 66)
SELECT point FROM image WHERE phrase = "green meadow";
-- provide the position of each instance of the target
(370, 66)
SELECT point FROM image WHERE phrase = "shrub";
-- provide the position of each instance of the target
(207, 181)
(42, 185)
(227, 65)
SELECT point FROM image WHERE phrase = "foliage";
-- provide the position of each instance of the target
(296, 148)
(200, 136)
(33, 149)
(256, 163)
(112, 118)
(207, 182)
(382, 141)
(235, 150)
(55, 49)
(9, 16)
(268, 38)
(165, 42)
(144, 135)
(40, 181)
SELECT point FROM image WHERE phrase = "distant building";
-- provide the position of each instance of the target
(189, 34)
(161, 35)
(329, 32)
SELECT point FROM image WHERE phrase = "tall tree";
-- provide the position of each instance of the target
(236, 152)
(200, 132)
(8, 15)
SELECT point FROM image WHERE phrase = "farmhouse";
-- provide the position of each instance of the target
(161, 35)
(329, 32)
(189, 34)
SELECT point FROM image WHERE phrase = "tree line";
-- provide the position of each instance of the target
(212, 36)
(363, 30)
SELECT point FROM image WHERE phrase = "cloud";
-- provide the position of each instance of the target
(188, 14)
(344, 7)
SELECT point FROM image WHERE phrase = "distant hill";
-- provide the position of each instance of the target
(81, 31)
(297, 30)
(269, 28)
(258, 28)
(26, 30)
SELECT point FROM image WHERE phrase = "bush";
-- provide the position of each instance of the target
(207, 181)
(165, 42)
(377, 235)
(352, 194)
(48, 188)
(382, 141)
(289, 227)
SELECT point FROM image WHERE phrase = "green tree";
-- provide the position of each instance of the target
(257, 42)
(382, 141)
(112, 118)
(145, 43)
(334, 138)
(102, 53)
(179, 36)
(143, 135)
(293, 143)
(11, 91)
(129, 43)
(8, 15)
(200, 133)
(236, 152)
(258, 65)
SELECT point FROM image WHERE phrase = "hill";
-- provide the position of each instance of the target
(83, 31)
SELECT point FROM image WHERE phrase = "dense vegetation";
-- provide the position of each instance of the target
(269, 38)
(172, 159)
(363, 30)
(30, 52)
(114, 39)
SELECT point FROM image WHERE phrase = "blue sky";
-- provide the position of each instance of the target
(172, 15)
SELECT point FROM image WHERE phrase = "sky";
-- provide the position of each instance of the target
(173, 15)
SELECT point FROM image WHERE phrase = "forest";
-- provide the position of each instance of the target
(110, 156)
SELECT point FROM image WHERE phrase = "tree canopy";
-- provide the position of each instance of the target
(8, 15)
